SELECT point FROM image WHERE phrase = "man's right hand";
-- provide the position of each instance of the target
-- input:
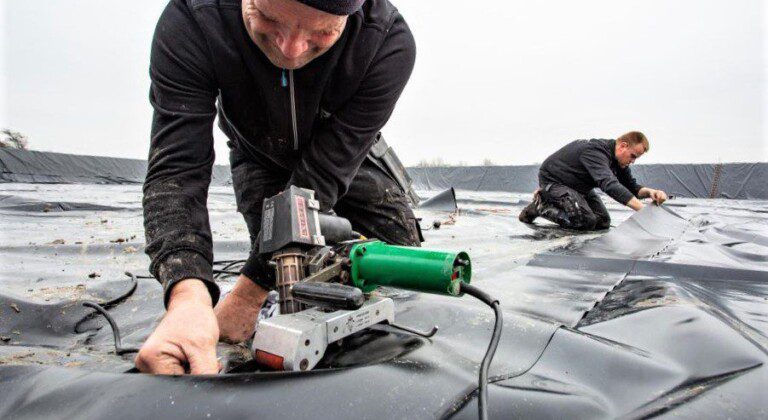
(635, 204)
(185, 340)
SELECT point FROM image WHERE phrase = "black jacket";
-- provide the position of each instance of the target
(204, 62)
(587, 164)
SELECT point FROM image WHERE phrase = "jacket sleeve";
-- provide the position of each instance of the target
(183, 94)
(598, 165)
(340, 144)
(628, 180)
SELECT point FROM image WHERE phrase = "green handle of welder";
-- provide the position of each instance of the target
(376, 264)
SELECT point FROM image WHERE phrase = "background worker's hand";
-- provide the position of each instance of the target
(185, 340)
(658, 196)
(635, 204)
(238, 312)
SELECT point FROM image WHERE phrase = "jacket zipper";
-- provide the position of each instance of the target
(294, 126)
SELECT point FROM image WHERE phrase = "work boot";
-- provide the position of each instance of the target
(531, 211)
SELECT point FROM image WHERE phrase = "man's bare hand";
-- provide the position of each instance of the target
(658, 196)
(186, 338)
(238, 311)
(635, 204)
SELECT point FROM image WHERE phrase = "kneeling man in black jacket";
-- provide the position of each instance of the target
(568, 178)
(301, 88)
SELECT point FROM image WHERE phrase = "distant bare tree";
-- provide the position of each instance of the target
(488, 162)
(432, 163)
(10, 139)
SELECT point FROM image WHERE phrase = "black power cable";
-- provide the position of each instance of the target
(482, 385)
(231, 273)
(100, 308)
(119, 350)
(226, 269)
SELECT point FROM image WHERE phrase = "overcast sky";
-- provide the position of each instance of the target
(510, 81)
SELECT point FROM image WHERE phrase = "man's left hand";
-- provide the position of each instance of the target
(238, 311)
(658, 196)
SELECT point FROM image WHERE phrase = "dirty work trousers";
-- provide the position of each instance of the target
(572, 210)
(375, 204)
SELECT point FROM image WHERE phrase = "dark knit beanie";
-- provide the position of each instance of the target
(335, 7)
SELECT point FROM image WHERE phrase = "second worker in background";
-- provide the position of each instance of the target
(568, 178)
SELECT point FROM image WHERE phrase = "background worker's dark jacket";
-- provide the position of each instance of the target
(201, 54)
(587, 164)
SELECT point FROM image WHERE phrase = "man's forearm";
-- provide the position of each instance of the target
(189, 290)
(176, 225)
(238, 312)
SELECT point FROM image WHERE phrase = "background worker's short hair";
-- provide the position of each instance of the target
(635, 137)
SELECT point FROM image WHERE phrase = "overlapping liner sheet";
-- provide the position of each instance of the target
(659, 315)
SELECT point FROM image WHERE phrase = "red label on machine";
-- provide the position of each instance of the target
(301, 212)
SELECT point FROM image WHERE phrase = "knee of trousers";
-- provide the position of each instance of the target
(603, 222)
(579, 217)
(587, 221)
